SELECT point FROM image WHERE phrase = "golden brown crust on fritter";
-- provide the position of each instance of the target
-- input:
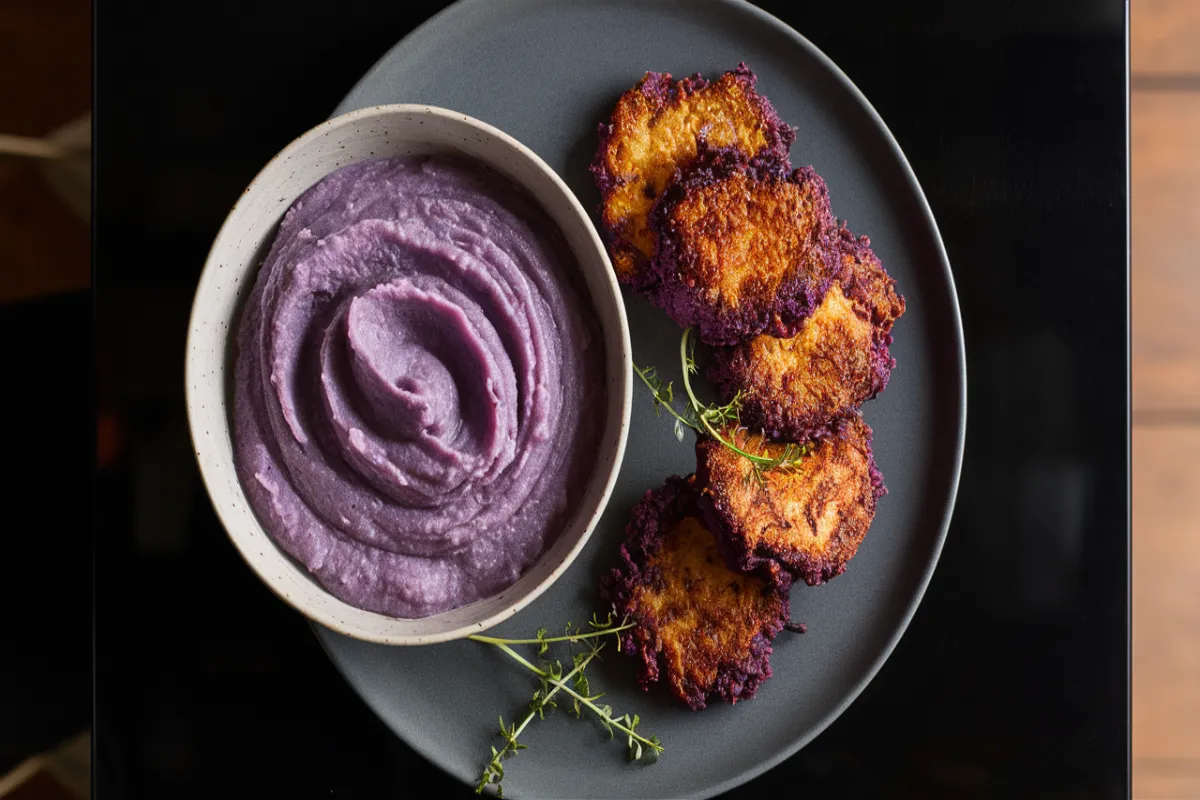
(795, 388)
(699, 625)
(805, 522)
(746, 237)
(744, 251)
(867, 283)
(655, 129)
(707, 615)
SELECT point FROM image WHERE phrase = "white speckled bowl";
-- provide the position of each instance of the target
(229, 274)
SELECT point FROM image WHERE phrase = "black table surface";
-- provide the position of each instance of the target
(1012, 679)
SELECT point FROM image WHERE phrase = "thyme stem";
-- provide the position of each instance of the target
(559, 684)
(478, 637)
(579, 668)
(664, 402)
(702, 412)
(552, 680)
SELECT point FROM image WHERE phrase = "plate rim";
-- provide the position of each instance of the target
(460, 7)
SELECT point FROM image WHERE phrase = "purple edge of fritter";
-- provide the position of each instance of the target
(795, 300)
(742, 559)
(658, 511)
(662, 88)
(779, 424)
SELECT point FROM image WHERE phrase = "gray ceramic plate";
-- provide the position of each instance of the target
(547, 72)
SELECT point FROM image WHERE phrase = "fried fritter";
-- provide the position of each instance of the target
(708, 628)
(655, 129)
(867, 283)
(803, 523)
(796, 388)
(742, 249)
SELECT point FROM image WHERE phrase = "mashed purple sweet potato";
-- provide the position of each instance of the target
(417, 385)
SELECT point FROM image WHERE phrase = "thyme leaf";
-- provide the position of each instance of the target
(711, 419)
(574, 684)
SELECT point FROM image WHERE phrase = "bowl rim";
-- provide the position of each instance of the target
(620, 390)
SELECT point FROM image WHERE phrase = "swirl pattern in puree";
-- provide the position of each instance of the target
(419, 385)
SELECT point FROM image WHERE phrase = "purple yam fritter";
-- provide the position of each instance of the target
(702, 627)
(655, 129)
(742, 248)
(801, 523)
(795, 388)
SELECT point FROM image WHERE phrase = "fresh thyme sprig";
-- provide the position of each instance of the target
(710, 420)
(574, 684)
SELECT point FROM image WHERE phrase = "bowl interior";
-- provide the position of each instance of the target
(229, 275)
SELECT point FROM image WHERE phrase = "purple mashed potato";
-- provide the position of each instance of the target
(417, 385)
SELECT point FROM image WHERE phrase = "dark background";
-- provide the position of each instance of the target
(1011, 681)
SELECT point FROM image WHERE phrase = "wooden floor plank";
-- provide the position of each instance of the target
(1164, 36)
(1166, 612)
(1165, 151)
(1165, 780)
